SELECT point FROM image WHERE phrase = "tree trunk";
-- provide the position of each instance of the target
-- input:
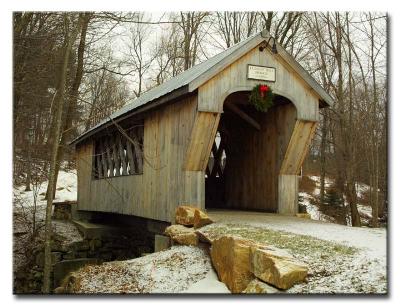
(73, 100)
(323, 158)
(58, 110)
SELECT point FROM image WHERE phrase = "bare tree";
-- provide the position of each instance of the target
(236, 26)
(71, 28)
(190, 22)
(138, 56)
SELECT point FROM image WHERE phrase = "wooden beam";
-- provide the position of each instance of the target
(243, 115)
(201, 140)
(298, 146)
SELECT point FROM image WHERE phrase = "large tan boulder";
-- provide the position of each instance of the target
(191, 216)
(258, 287)
(231, 259)
(182, 235)
(201, 219)
(277, 267)
(184, 215)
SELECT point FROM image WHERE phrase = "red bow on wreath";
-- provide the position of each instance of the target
(263, 90)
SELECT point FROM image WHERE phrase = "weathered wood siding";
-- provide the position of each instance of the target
(254, 158)
(211, 95)
(163, 185)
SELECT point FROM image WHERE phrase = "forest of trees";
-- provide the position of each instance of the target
(71, 70)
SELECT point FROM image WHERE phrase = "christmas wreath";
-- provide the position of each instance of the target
(262, 97)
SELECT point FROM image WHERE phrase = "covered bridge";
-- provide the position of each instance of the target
(197, 140)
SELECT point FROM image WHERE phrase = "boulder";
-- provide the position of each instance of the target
(230, 257)
(182, 234)
(201, 219)
(191, 216)
(277, 267)
(185, 215)
(258, 287)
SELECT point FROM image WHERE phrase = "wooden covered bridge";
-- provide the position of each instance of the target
(197, 140)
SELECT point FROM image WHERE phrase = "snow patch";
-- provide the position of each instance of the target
(313, 210)
(170, 271)
(66, 190)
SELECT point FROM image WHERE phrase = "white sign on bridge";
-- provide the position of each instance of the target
(261, 73)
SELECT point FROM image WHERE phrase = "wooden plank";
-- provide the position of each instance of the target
(243, 115)
(98, 167)
(115, 155)
(138, 156)
(298, 147)
(130, 157)
(288, 187)
(109, 157)
(103, 158)
(201, 140)
(211, 140)
(121, 140)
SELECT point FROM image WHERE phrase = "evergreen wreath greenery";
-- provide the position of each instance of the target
(261, 97)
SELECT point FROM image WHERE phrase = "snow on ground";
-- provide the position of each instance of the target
(335, 269)
(365, 210)
(361, 188)
(313, 210)
(316, 179)
(25, 215)
(66, 190)
(170, 271)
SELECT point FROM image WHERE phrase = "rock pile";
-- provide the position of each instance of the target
(243, 265)
(188, 218)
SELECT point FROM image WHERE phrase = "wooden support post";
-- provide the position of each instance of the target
(288, 176)
(297, 149)
(201, 140)
(243, 115)
(288, 189)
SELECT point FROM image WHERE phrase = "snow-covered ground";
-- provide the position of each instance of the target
(359, 272)
(25, 214)
(313, 209)
(170, 271)
(66, 190)
(315, 212)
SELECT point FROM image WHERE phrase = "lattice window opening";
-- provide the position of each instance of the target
(217, 161)
(116, 155)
